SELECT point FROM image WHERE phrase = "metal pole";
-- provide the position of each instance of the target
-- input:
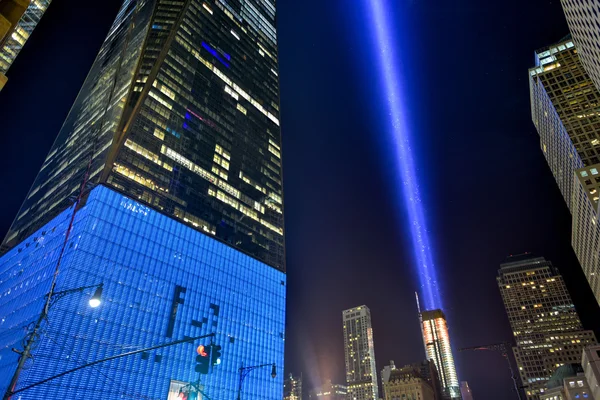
(26, 353)
(512, 375)
(239, 395)
(191, 339)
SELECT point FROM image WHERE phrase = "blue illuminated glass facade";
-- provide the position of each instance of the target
(145, 260)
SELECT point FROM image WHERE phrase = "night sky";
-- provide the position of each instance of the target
(486, 186)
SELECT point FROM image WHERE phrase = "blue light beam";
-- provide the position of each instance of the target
(397, 126)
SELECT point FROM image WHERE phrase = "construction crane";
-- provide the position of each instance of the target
(501, 348)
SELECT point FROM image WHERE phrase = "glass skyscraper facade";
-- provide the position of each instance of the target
(437, 348)
(175, 140)
(564, 103)
(583, 19)
(162, 281)
(18, 35)
(180, 111)
(545, 324)
(359, 352)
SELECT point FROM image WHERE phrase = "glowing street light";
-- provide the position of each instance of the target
(96, 299)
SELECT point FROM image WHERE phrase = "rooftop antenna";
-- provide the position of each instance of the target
(421, 325)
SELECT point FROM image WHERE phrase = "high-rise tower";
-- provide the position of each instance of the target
(292, 388)
(179, 111)
(174, 145)
(546, 327)
(564, 104)
(437, 347)
(359, 352)
(583, 19)
(19, 17)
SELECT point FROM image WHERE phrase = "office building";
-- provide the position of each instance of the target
(330, 391)
(582, 17)
(162, 281)
(407, 383)
(195, 131)
(437, 348)
(567, 383)
(465, 391)
(172, 150)
(18, 19)
(545, 324)
(427, 370)
(359, 352)
(292, 388)
(591, 368)
(564, 101)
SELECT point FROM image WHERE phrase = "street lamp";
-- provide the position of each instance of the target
(96, 299)
(244, 371)
(51, 298)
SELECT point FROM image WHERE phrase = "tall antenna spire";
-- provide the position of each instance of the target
(421, 324)
(418, 305)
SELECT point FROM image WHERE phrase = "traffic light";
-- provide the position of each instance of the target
(215, 355)
(202, 359)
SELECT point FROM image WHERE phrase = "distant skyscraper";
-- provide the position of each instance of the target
(359, 351)
(545, 324)
(437, 347)
(292, 389)
(564, 101)
(330, 391)
(584, 23)
(181, 112)
(408, 383)
(18, 34)
(176, 136)
(465, 391)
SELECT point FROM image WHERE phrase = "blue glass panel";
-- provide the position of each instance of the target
(141, 256)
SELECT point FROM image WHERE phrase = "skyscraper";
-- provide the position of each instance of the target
(563, 104)
(582, 17)
(292, 388)
(545, 324)
(437, 348)
(27, 13)
(359, 352)
(179, 111)
(172, 150)
(329, 391)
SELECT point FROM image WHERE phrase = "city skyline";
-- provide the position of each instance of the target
(469, 239)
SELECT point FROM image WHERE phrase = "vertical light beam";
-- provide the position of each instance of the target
(391, 81)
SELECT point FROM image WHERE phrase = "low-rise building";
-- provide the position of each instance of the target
(567, 383)
(408, 383)
(591, 368)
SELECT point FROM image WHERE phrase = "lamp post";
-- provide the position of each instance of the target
(244, 371)
(51, 299)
